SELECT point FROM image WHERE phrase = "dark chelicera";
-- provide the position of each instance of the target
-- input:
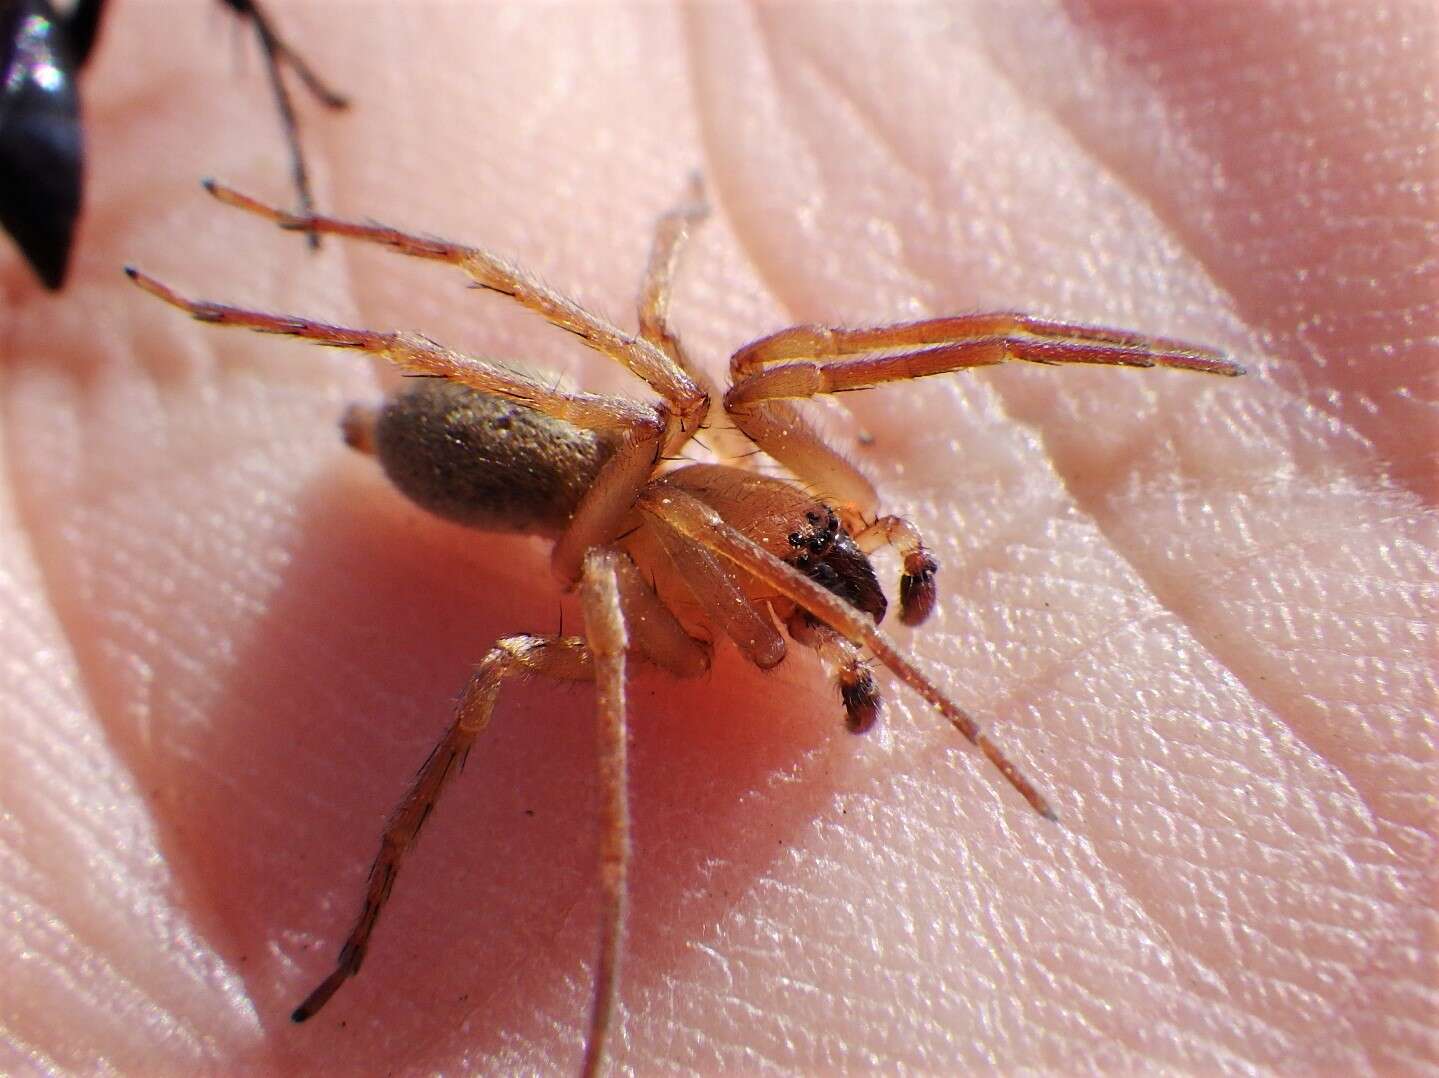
(829, 556)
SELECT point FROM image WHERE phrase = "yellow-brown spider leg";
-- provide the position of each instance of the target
(605, 629)
(622, 615)
(918, 592)
(716, 586)
(785, 433)
(767, 380)
(806, 361)
(637, 430)
(672, 232)
(1034, 340)
(613, 595)
(687, 401)
(653, 629)
(566, 658)
(702, 525)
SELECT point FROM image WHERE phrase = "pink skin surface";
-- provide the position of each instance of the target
(1194, 609)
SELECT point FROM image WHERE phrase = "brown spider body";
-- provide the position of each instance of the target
(478, 459)
(482, 461)
(666, 559)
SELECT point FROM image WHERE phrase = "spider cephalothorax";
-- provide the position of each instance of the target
(666, 559)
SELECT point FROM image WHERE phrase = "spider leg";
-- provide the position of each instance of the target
(637, 431)
(605, 627)
(785, 433)
(807, 361)
(682, 397)
(702, 525)
(653, 629)
(972, 337)
(622, 615)
(672, 232)
(717, 588)
(789, 363)
(566, 658)
(615, 599)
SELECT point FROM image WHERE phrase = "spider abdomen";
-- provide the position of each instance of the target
(477, 459)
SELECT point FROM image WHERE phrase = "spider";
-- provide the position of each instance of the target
(666, 556)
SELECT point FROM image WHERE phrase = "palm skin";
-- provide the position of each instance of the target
(1191, 607)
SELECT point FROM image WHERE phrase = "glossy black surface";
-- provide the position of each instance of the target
(42, 155)
(42, 151)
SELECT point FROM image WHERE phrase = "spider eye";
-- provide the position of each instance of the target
(816, 542)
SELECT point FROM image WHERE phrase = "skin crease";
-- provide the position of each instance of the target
(1191, 608)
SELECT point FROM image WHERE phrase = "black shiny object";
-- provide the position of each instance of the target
(42, 156)
(42, 153)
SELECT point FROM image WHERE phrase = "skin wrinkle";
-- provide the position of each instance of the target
(1258, 686)
(871, 121)
(1230, 658)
